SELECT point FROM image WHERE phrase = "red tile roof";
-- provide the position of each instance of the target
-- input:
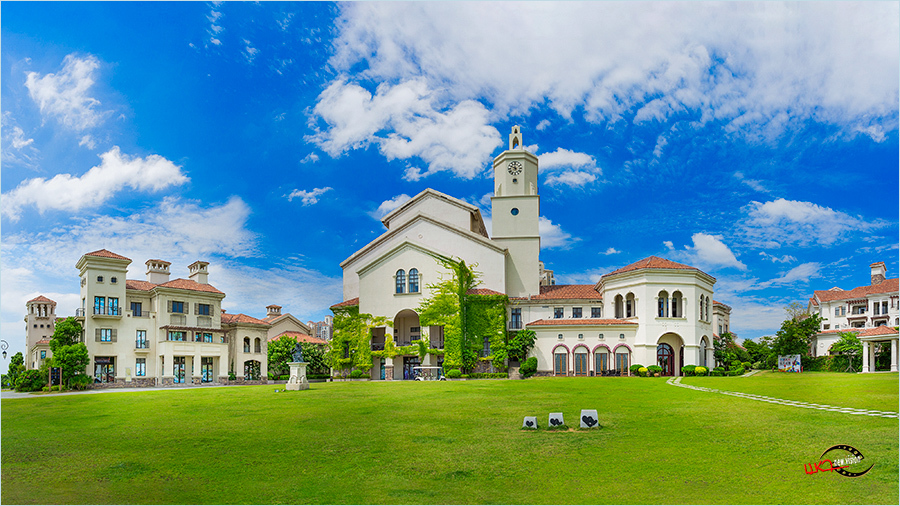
(882, 330)
(484, 291)
(352, 302)
(651, 262)
(106, 254)
(241, 318)
(558, 292)
(860, 292)
(136, 284)
(183, 284)
(580, 321)
(40, 298)
(301, 337)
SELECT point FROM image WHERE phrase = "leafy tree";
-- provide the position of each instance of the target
(758, 352)
(68, 353)
(795, 335)
(279, 354)
(16, 367)
(314, 355)
(723, 347)
(521, 343)
(795, 311)
(847, 350)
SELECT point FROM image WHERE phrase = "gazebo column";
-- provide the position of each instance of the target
(893, 355)
(865, 356)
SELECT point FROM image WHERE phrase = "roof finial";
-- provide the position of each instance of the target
(515, 138)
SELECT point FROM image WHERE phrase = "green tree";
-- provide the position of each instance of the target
(795, 311)
(16, 367)
(723, 348)
(314, 355)
(758, 352)
(68, 353)
(521, 343)
(847, 350)
(279, 354)
(795, 335)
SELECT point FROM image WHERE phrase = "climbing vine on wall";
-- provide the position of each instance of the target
(350, 346)
(467, 318)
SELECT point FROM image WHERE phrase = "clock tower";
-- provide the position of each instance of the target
(515, 208)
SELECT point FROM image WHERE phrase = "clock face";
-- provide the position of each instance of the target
(514, 168)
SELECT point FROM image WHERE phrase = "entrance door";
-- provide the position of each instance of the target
(665, 358)
(600, 364)
(104, 370)
(559, 364)
(408, 364)
(381, 365)
(206, 369)
(178, 370)
(622, 363)
(581, 364)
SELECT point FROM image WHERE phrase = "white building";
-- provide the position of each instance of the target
(862, 310)
(40, 322)
(652, 311)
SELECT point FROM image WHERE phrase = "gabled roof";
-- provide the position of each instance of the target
(651, 262)
(426, 193)
(181, 284)
(106, 254)
(584, 322)
(241, 318)
(483, 291)
(561, 292)
(137, 284)
(300, 337)
(352, 302)
(860, 292)
(41, 298)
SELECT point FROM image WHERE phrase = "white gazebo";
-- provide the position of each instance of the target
(880, 335)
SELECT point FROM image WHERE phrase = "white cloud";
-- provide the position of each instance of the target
(579, 168)
(249, 51)
(65, 95)
(784, 259)
(754, 184)
(611, 251)
(709, 250)
(310, 158)
(759, 67)
(99, 184)
(309, 197)
(389, 205)
(781, 221)
(544, 123)
(553, 236)
(214, 27)
(669, 245)
(88, 142)
(405, 122)
(573, 178)
(803, 273)
(17, 149)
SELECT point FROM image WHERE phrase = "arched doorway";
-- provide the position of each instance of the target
(406, 327)
(665, 358)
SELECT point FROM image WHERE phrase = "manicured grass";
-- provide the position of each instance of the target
(445, 442)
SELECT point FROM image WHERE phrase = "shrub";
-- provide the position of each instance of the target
(634, 368)
(719, 368)
(356, 373)
(654, 369)
(757, 365)
(717, 373)
(642, 372)
(746, 365)
(528, 368)
(456, 373)
(81, 382)
(488, 375)
(735, 364)
(736, 372)
(31, 381)
(317, 376)
(688, 370)
(700, 371)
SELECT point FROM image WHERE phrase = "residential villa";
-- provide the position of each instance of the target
(871, 311)
(653, 311)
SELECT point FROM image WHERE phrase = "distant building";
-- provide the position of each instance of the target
(322, 330)
(861, 310)
(40, 322)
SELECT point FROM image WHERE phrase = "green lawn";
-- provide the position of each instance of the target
(451, 442)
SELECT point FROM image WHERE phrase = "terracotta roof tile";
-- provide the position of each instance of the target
(882, 330)
(241, 318)
(41, 298)
(301, 337)
(860, 292)
(651, 262)
(189, 284)
(136, 284)
(352, 302)
(568, 292)
(483, 291)
(106, 254)
(580, 322)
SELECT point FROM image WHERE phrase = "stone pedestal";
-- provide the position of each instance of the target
(297, 380)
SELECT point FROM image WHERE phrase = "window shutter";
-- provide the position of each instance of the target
(113, 337)
(169, 304)
(196, 308)
(97, 335)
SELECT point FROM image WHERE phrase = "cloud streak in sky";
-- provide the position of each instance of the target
(65, 95)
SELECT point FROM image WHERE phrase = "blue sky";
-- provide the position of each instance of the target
(756, 141)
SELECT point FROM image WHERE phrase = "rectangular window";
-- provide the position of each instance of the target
(136, 309)
(576, 312)
(581, 364)
(43, 354)
(177, 335)
(581, 337)
(559, 337)
(515, 318)
(622, 362)
(140, 340)
(884, 307)
(486, 347)
(114, 306)
(600, 336)
(596, 312)
(557, 312)
(140, 367)
(203, 309)
(105, 335)
(600, 364)
(176, 306)
(837, 311)
(99, 305)
(207, 337)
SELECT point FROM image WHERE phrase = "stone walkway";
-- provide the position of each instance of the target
(784, 402)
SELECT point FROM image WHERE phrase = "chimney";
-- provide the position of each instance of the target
(273, 310)
(879, 270)
(158, 271)
(199, 272)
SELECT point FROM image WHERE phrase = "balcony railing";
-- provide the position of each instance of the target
(140, 314)
(437, 344)
(142, 344)
(108, 311)
(515, 324)
(79, 312)
(378, 346)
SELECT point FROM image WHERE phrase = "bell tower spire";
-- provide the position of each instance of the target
(515, 208)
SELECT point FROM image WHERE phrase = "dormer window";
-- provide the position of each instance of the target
(400, 281)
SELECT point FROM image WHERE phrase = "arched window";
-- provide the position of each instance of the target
(560, 361)
(620, 306)
(414, 281)
(665, 358)
(251, 370)
(700, 306)
(581, 361)
(676, 305)
(601, 362)
(257, 348)
(703, 352)
(630, 307)
(663, 306)
(707, 309)
(623, 360)
(246, 345)
(401, 281)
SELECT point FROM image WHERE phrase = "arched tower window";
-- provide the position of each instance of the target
(677, 310)
(663, 306)
(401, 281)
(413, 281)
(620, 306)
(630, 307)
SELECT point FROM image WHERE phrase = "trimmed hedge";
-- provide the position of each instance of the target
(634, 368)
(528, 368)
(688, 370)
(456, 373)
(700, 371)
(642, 372)
(488, 375)
(654, 369)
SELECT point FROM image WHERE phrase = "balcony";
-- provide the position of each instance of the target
(378, 346)
(107, 312)
(142, 346)
(79, 313)
(515, 324)
(140, 314)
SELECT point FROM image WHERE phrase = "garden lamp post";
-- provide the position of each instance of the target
(4, 345)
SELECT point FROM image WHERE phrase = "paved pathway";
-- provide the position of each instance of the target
(784, 402)
(11, 394)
